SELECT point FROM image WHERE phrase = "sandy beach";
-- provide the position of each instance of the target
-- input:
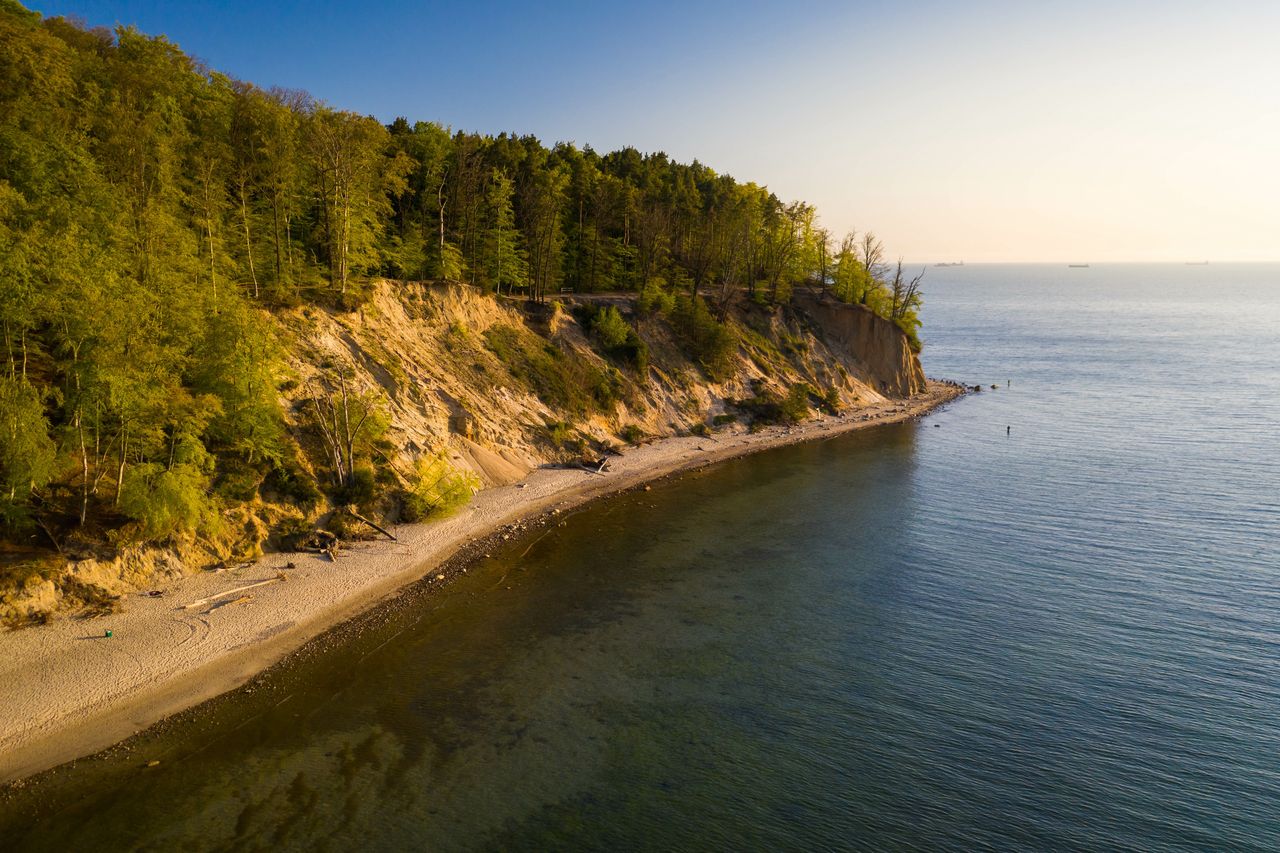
(71, 691)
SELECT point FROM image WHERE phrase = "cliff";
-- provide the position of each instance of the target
(499, 387)
(876, 344)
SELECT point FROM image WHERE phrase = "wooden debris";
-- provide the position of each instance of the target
(244, 599)
(203, 601)
(351, 511)
(594, 466)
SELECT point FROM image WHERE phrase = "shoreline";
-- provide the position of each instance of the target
(75, 692)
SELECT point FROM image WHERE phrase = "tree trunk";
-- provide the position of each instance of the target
(124, 450)
(350, 440)
(275, 238)
(84, 466)
(248, 243)
(346, 242)
(440, 207)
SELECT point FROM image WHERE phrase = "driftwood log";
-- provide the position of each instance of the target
(351, 511)
(200, 602)
(594, 466)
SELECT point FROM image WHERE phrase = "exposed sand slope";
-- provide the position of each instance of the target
(70, 691)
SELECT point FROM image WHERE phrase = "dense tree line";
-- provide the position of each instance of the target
(154, 212)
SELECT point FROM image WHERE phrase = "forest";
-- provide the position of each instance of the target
(156, 216)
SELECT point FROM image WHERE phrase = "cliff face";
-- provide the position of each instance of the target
(873, 342)
(430, 350)
(500, 387)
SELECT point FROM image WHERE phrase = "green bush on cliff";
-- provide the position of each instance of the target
(830, 401)
(618, 340)
(631, 434)
(709, 342)
(770, 407)
(165, 498)
(440, 488)
(795, 406)
(654, 298)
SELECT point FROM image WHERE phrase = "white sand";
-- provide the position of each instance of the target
(68, 691)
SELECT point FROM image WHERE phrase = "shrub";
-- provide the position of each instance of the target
(360, 489)
(707, 341)
(700, 429)
(763, 408)
(26, 452)
(726, 418)
(295, 485)
(618, 340)
(238, 480)
(440, 488)
(771, 407)
(795, 406)
(631, 434)
(609, 327)
(654, 298)
(633, 351)
(560, 432)
(831, 401)
(606, 388)
(292, 533)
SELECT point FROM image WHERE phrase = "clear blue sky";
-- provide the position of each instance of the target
(978, 131)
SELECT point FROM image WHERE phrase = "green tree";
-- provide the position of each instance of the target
(238, 362)
(26, 450)
(503, 259)
(351, 177)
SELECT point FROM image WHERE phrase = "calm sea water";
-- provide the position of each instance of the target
(1047, 617)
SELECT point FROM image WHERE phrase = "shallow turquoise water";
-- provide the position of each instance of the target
(937, 635)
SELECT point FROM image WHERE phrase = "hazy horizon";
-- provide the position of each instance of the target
(994, 133)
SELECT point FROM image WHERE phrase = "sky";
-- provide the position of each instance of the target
(983, 131)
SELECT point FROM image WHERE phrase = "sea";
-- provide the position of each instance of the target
(1045, 617)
